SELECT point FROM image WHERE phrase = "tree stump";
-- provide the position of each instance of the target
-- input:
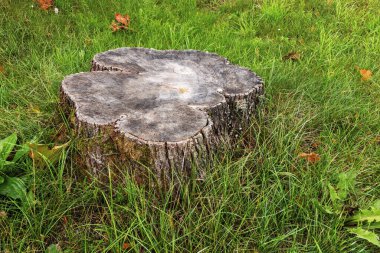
(156, 112)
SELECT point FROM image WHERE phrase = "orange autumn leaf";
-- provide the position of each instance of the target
(365, 73)
(114, 26)
(126, 246)
(310, 157)
(315, 144)
(124, 20)
(45, 4)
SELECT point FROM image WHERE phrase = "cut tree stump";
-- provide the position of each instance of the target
(156, 112)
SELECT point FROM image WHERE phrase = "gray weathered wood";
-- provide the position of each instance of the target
(158, 109)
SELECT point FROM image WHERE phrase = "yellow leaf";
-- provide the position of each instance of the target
(34, 109)
(41, 153)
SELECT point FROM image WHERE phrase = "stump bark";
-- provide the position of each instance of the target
(156, 112)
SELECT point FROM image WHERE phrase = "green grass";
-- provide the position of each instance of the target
(260, 198)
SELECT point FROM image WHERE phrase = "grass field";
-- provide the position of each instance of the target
(260, 197)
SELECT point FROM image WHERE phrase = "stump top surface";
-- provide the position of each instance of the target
(156, 95)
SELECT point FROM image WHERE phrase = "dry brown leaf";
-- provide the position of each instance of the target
(3, 214)
(310, 157)
(294, 56)
(1, 69)
(45, 4)
(65, 220)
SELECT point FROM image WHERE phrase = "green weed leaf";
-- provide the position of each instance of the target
(21, 152)
(53, 248)
(366, 235)
(369, 215)
(13, 187)
(345, 184)
(329, 210)
(338, 194)
(6, 147)
(335, 199)
(2, 179)
(374, 225)
(333, 194)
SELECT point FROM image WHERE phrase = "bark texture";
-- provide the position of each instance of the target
(154, 113)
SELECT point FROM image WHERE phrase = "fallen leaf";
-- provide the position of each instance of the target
(123, 19)
(65, 220)
(366, 74)
(1, 69)
(315, 144)
(45, 4)
(126, 246)
(122, 22)
(87, 41)
(294, 56)
(114, 26)
(35, 109)
(3, 214)
(310, 157)
(40, 153)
